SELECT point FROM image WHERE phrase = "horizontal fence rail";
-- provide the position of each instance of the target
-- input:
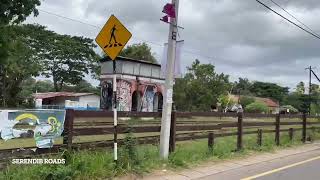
(184, 127)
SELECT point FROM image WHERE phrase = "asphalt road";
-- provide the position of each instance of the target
(306, 171)
(305, 166)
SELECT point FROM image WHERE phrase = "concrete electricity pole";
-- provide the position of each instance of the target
(310, 84)
(167, 106)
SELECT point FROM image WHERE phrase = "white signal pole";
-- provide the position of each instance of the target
(167, 106)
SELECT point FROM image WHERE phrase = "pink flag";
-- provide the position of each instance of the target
(169, 9)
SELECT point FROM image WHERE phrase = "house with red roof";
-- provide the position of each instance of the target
(272, 105)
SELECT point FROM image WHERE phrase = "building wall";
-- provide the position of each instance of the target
(59, 101)
(133, 94)
(91, 100)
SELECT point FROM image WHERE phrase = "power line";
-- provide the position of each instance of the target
(147, 41)
(94, 26)
(294, 17)
(311, 33)
(71, 19)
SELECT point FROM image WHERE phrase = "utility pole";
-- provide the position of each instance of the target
(167, 106)
(309, 94)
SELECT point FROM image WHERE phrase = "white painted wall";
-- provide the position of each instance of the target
(91, 100)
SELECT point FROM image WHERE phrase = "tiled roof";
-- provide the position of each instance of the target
(59, 94)
(269, 102)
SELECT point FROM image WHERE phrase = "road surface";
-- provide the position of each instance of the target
(305, 166)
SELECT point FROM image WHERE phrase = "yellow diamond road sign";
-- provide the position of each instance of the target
(113, 37)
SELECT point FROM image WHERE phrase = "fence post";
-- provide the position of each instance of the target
(259, 141)
(240, 131)
(304, 127)
(291, 134)
(172, 142)
(68, 128)
(277, 135)
(210, 141)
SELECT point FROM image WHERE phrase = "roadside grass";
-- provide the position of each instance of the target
(140, 159)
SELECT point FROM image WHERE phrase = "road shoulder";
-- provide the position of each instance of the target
(209, 170)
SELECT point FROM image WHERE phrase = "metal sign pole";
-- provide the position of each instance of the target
(115, 121)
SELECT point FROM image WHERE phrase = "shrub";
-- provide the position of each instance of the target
(245, 101)
(291, 109)
(257, 107)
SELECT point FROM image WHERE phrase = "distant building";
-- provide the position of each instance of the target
(140, 86)
(62, 100)
(272, 105)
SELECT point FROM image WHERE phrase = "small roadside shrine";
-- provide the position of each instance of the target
(140, 85)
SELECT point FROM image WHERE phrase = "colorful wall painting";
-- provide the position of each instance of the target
(48, 125)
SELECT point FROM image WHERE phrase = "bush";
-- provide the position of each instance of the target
(291, 109)
(245, 101)
(257, 107)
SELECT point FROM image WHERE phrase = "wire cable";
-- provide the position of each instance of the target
(311, 33)
(147, 41)
(294, 17)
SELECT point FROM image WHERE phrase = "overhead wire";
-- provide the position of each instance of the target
(307, 31)
(294, 17)
(137, 38)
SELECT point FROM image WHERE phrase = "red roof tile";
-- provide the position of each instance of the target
(58, 94)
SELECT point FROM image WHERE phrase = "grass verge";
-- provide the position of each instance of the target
(142, 159)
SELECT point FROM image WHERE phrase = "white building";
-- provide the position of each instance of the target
(61, 100)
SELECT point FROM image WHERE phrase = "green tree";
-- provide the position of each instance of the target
(245, 101)
(291, 109)
(82, 87)
(200, 87)
(315, 89)
(17, 11)
(66, 58)
(242, 86)
(21, 65)
(300, 89)
(140, 51)
(257, 107)
(269, 90)
(13, 11)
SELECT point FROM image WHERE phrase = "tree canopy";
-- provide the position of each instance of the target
(200, 87)
(270, 90)
(17, 11)
(33, 50)
(65, 58)
(140, 51)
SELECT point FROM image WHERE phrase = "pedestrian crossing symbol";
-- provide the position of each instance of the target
(113, 37)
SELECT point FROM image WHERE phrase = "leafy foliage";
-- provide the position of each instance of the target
(270, 90)
(300, 89)
(17, 11)
(140, 51)
(291, 109)
(200, 88)
(257, 107)
(242, 86)
(20, 65)
(66, 58)
(245, 101)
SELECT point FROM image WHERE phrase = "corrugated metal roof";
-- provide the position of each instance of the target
(58, 94)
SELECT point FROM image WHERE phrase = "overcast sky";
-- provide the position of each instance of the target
(241, 38)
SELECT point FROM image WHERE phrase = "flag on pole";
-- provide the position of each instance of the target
(177, 63)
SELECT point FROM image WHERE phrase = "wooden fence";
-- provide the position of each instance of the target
(183, 128)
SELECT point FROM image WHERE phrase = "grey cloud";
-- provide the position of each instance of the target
(240, 38)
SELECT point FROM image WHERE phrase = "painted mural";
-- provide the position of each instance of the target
(106, 96)
(48, 125)
(123, 95)
(148, 97)
(133, 95)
